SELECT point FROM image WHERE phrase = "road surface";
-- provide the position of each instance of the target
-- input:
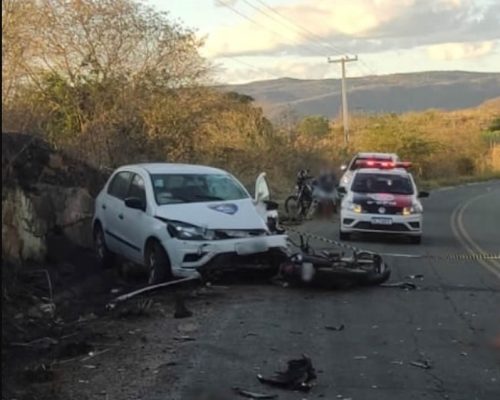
(449, 321)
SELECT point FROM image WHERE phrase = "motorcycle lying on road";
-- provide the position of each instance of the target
(333, 268)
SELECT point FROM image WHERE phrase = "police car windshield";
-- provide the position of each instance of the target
(382, 183)
(195, 188)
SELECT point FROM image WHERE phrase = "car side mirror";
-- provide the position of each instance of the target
(341, 190)
(422, 195)
(343, 167)
(135, 203)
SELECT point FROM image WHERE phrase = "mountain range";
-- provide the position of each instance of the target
(447, 90)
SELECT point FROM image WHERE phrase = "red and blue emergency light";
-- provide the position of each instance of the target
(381, 164)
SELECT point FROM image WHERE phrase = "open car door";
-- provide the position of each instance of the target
(262, 195)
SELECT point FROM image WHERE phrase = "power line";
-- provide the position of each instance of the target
(236, 11)
(291, 28)
(310, 34)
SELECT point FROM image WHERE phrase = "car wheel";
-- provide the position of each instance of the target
(105, 257)
(158, 263)
(416, 239)
(344, 235)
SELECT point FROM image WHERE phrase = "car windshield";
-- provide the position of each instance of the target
(196, 188)
(382, 183)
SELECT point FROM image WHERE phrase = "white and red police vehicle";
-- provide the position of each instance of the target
(382, 197)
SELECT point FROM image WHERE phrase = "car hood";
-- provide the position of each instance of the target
(382, 199)
(237, 214)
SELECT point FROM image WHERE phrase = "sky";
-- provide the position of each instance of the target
(248, 40)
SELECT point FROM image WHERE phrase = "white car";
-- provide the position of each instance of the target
(369, 158)
(382, 200)
(175, 219)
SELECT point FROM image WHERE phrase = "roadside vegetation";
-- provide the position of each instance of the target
(115, 82)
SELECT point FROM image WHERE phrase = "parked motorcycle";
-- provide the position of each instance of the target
(298, 204)
(312, 197)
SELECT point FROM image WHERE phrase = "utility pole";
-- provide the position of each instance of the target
(345, 116)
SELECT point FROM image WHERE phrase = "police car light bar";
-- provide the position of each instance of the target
(382, 164)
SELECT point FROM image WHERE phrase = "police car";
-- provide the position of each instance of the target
(368, 159)
(382, 197)
(176, 219)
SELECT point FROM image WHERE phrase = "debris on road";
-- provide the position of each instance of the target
(335, 328)
(417, 276)
(39, 374)
(254, 395)
(141, 308)
(181, 311)
(400, 285)
(360, 357)
(184, 338)
(150, 288)
(424, 364)
(298, 376)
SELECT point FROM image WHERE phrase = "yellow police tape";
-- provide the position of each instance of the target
(455, 257)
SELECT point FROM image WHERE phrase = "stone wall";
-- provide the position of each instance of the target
(47, 199)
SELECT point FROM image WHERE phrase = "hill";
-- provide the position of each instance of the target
(447, 90)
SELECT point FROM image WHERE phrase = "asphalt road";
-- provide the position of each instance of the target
(449, 321)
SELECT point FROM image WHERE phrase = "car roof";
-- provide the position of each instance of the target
(376, 155)
(171, 168)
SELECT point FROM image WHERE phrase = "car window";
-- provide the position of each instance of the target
(382, 183)
(118, 187)
(192, 188)
(137, 188)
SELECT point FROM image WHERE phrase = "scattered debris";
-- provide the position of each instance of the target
(93, 354)
(150, 288)
(397, 362)
(39, 374)
(75, 349)
(360, 357)
(298, 376)
(416, 276)
(424, 364)
(41, 343)
(140, 309)
(464, 354)
(181, 311)
(187, 328)
(335, 328)
(400, 285)
(254, 395)
(184, 338)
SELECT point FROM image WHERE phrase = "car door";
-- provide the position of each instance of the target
(262, 194)
(112, 208)
(136, 222)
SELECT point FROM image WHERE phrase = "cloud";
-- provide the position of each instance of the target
(324, 27)
(459, 51)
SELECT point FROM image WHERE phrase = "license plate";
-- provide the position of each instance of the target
(382, 221)
(251, 247)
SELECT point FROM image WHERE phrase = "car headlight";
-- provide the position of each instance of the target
(416, 208)
(354, 207)
(345, 180)
(185, 231)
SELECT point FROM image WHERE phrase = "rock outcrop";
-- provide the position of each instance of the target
(47, 200)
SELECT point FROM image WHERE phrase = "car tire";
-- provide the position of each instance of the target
(106, 258)
(416, 239)
(344, 236)
(157, 263)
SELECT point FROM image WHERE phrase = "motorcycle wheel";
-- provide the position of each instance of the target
(294, 208)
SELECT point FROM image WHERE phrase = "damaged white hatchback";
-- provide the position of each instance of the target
(182, 220)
